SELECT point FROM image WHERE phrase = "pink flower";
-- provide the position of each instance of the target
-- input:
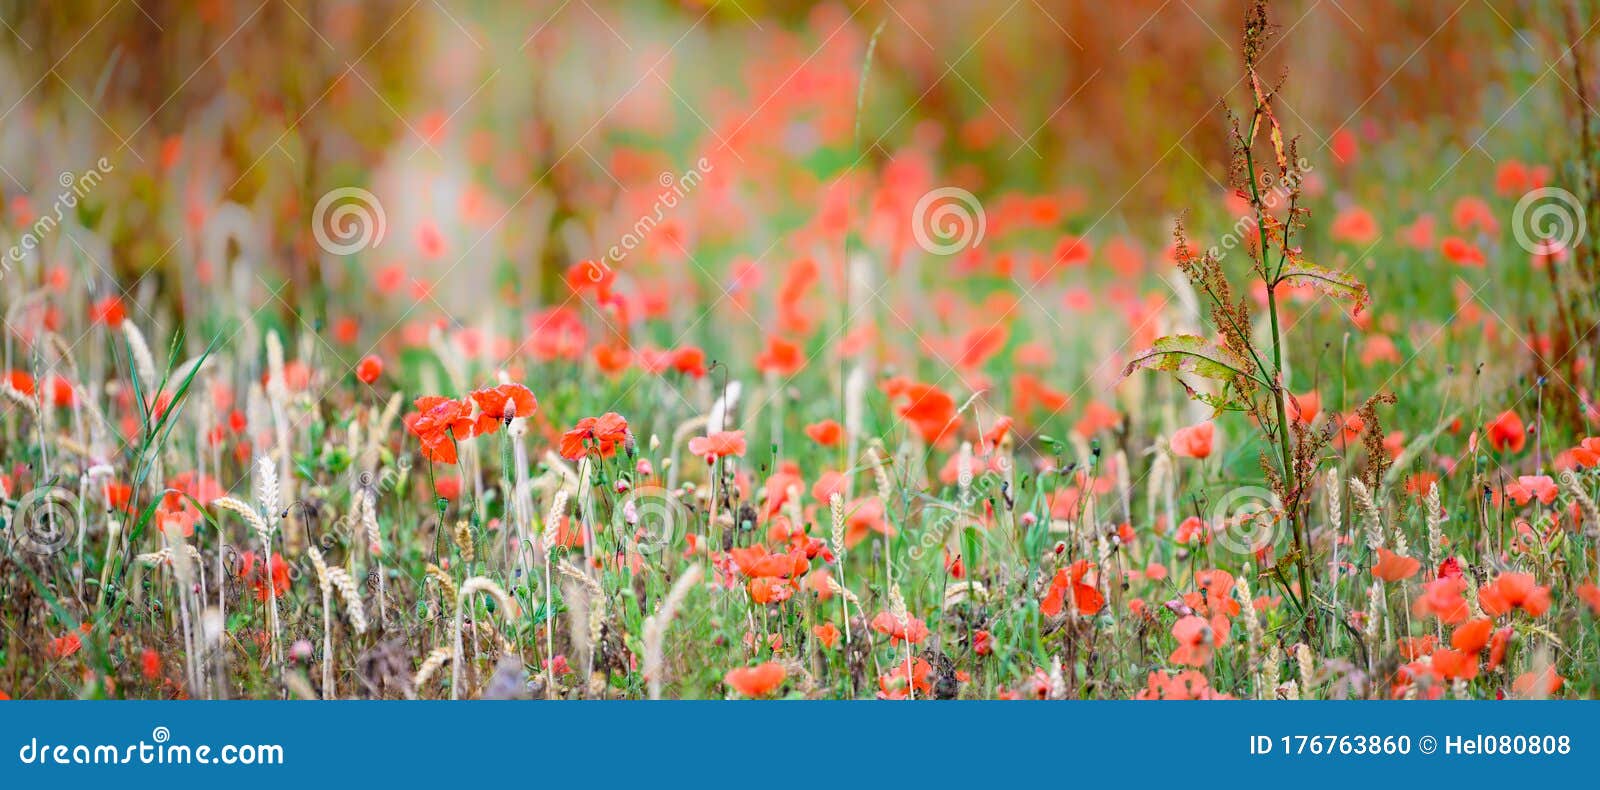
(1194, 441)
(722, 444)
(1529, 487)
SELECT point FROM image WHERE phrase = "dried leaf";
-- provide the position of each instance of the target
(1190, 354)
(1328, 282)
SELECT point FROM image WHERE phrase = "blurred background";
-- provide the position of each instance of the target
(508, 140)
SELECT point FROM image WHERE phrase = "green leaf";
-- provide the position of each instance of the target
(1190, 354)
(1328, 282)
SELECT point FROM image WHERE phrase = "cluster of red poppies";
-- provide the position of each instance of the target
(440, 422)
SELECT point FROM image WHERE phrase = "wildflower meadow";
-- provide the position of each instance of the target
(681, 349)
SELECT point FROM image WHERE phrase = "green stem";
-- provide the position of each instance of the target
(1278, 394)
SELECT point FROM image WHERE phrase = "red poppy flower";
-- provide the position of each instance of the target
(557, 333)
(767, 590)
(756, 562)
(862, 518)
(1305, 406)
(118, 495)
(1506, 432)
(1186, 685)
(690, 361)
(439, 423)
(905, 679)
(1214, 595)
(448, 486)
(1086, 598)
(1587, 453)
(182, 518)
(1462, 252)
(1196, 639)
(1527, 488)
(910, 629)
(1415, 647)
(64, 646)
(1190, 529)
(256, 575)
(982, 643)
(369, 369)
(1472, 635)
(929, 409)
(1355, 225)
(108, 311)
(722, 444)
(598, 434)
(781, 357)
(997, 432)
(1455, 663)
(21, 382)
(1545, 683)
(61, 393)
(1442, 599)
(612, 358)
(1514, 591)
(756, 681)
(1497, 647)
(827, 634)
(1393, 567)
(1590, 595)
(1194, 441)
(826, 433)
(1097, 417)
(585, 275)
(500, 405)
